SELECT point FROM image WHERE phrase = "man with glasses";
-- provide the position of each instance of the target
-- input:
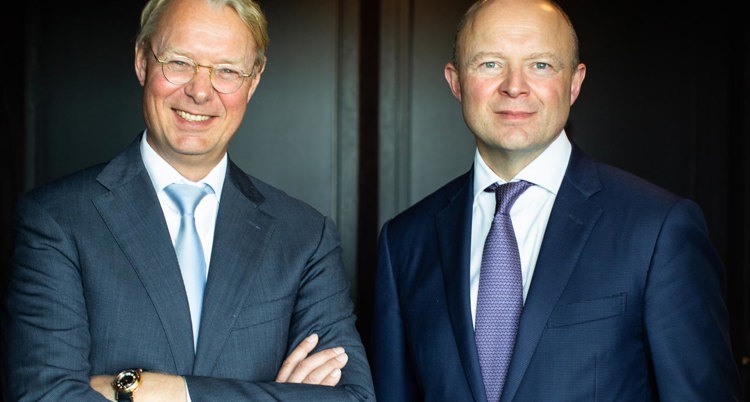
(122, 289)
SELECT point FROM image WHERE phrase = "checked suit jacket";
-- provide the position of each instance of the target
(95, 288)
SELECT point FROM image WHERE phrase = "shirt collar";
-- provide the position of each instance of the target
(546, 171)
(163, 174)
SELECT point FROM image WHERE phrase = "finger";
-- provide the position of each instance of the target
(298, 354)
(330, 373)
(333, 379)
(324, 360)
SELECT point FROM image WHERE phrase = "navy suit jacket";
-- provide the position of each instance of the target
(626, 303)
(95, 288)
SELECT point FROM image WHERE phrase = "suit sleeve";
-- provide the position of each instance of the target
(323, 306)
(686, 316)
(48, 333)
(46, 330)
(392, 375)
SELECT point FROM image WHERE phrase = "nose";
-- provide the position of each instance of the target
(514, 82)
(200, 88)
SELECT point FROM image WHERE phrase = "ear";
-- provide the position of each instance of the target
(575, 84)
(454, 81)
(256, 80)
(141, 64)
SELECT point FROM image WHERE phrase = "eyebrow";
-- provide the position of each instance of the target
(547, 55)
(532, 56)
(171, 51)
(484, 55)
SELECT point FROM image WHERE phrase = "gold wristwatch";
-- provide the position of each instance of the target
(126, 382)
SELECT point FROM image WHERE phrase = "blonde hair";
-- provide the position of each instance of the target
(248, 10)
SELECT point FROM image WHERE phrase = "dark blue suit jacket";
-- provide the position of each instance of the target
(626, 303)
(95, 288)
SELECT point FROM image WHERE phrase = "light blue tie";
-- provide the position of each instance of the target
(500, 297)
(189, 249)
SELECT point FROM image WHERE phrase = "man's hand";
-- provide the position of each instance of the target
(322, 368)
(154, 387)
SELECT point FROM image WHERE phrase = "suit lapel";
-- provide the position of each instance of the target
(454, 236)
(132, 212)
(571, 221)
(241, 236)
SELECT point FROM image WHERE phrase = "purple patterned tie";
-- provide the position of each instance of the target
(500, 297)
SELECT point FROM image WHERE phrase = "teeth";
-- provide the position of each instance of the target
(191, 117)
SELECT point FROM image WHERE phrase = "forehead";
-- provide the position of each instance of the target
(517, 26)
(199, 26)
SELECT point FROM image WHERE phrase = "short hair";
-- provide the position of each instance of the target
(471, 12)
(249, 12)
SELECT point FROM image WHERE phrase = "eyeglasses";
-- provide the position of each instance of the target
(180, 70)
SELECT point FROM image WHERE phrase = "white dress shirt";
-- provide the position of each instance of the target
(529, 214)
(163, 174)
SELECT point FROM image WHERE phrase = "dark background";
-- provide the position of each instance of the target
(353, 114)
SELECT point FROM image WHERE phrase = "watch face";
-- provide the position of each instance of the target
(127, 380)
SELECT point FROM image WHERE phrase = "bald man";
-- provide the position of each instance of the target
(620, 292)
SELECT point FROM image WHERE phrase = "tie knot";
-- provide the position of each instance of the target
(185, 196)
(507, 194)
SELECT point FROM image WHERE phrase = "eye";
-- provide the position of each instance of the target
(540, 65)
(179, 65)
(227, 72)
(489, 65)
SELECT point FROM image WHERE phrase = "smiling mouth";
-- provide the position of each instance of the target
(514, 113)
(192, 117)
